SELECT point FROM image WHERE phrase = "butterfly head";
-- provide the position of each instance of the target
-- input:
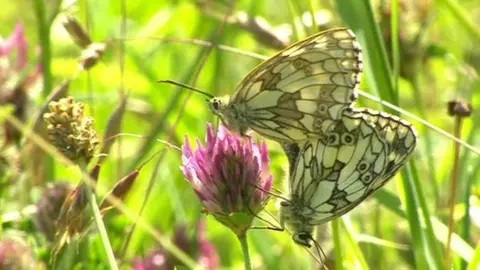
(303, 238)
(232, 115)
(218, 105)
(291, 217)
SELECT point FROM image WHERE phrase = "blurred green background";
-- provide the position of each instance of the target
(418, 55)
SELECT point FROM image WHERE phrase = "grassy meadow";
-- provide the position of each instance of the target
(421, 62)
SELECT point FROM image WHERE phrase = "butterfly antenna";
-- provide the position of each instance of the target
(273, 226)
(186, 86)
(262, 219)
(320, 253)
(276, 189)
(272, 216)
(273, 194)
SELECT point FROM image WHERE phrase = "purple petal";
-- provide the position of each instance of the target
(187, 149)
(268, 184)
(211, 140)
(17, 40)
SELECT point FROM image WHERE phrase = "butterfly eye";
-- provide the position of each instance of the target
(284, 203)
(215, 104)
(303, 238)
(348, 139)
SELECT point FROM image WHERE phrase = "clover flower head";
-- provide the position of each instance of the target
(230, 175)
(70, 131)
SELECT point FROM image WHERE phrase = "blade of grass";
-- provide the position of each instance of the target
(458, 245)
(391, 201)
(420, 254)
(395, 46)
(337, 244)
(427, 134)
(349, 234)
(434, 250)
(43, 28)
(396, 74)
(467, 181)
(97, 217)
(475, 264)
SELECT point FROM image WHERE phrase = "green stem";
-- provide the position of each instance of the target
(84, 247)
(337, 248)
(44, 38)
(246, 254)
(454, 187)
(97, 216)
(43, 27)
(395, 46)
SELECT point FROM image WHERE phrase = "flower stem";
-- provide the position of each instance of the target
(246, 254)
(98, 219)
(44, 37)
(454, 188)
(43, 28)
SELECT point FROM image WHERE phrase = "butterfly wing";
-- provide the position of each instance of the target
(400, 137)
(293, 95)
(332, 175)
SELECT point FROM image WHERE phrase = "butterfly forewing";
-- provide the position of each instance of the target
(333, 174)
(293, 95)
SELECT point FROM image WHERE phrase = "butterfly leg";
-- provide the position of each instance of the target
(271, 225)
(278, 229)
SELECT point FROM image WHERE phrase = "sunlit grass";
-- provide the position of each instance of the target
(171, 40)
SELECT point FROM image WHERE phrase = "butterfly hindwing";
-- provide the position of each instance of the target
(399, 135)
(293, 95)
(357, 156)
